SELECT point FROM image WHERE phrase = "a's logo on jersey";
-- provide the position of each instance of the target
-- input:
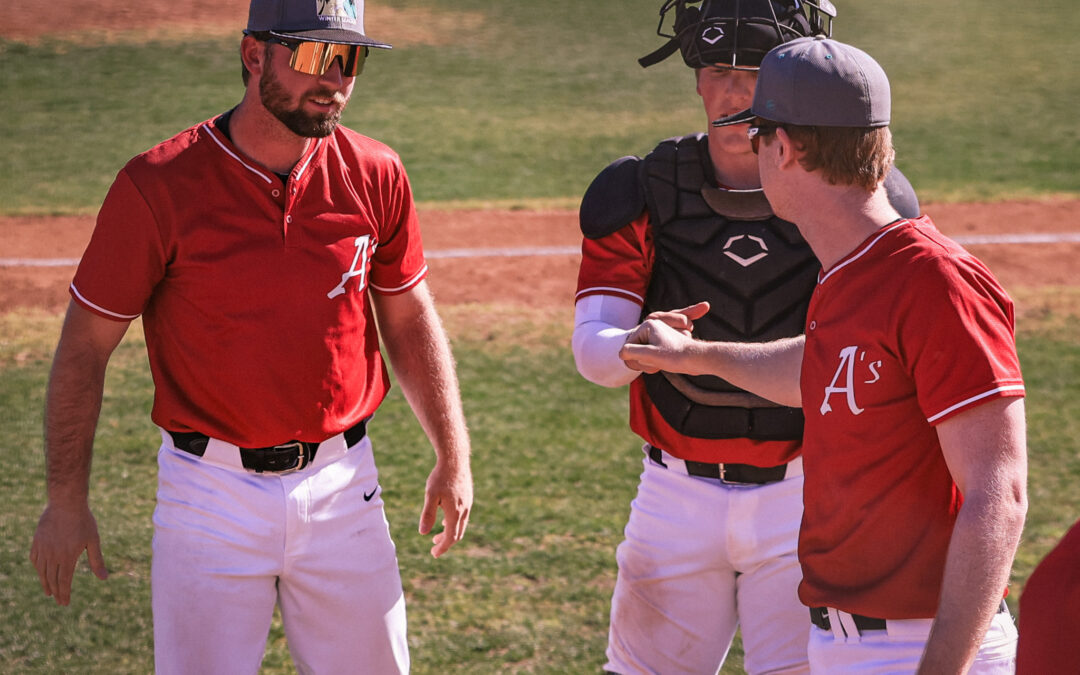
(753, 247)
(846, 372)
(844, 379)
(712, 34)
(365, 248)
(341, 9)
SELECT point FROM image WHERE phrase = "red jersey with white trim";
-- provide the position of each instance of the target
(254, 292)
(904, 333)
(621, 264)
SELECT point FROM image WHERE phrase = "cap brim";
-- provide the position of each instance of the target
(743, 117)
(334, 35)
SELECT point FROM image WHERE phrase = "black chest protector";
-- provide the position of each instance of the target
(756, 271)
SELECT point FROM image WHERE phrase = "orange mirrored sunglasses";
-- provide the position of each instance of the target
(315, 58)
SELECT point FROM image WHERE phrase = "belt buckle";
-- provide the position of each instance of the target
(722, 468)
(289, 462)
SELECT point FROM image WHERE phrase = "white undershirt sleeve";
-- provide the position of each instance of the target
(601, 325)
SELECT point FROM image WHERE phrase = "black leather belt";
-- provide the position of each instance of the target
(819, 616)
(746, 474)
(288, 456)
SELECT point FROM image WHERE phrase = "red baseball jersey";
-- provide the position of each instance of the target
(620, 264)
(254, 292)
(1050, 612)
(904, 333)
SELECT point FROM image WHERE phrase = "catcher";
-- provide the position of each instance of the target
(711, 540)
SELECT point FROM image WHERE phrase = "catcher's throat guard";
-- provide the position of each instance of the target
(736, 33)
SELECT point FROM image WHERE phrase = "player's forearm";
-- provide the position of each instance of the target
(73, 402)
(596, 354)
(423, 364)
(72, 407)
(981, 552)
(770, 370)
(431, 387)
(601, 326)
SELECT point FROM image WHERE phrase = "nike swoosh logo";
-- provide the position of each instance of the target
(369, 495)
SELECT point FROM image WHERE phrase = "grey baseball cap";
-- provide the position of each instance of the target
(818, 82)
(338, 21)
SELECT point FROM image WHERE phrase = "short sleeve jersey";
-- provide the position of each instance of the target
(907, 331)
(621, 264)
(254, 292)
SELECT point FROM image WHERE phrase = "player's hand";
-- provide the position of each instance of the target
(656, 346)
(660, 341)
(61, 537)
(449, 489)
(683, 319)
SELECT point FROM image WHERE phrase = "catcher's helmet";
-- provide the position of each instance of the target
(737, 33)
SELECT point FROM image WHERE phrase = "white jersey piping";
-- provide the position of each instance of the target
(99, 308)
(862, 252)
(232, 154)
(310, 157)
(961, 404)
(411, 282)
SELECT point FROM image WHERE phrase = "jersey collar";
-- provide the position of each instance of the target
(860, 251)
(231, 150)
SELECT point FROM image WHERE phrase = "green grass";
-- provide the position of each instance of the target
(1051, 362)
(983, 95)
(521, 109)
(528, 104)
(528, 589)
(555, 468)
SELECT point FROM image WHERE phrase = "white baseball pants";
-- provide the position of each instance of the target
(229, 544)
(699, 559)
(898, 649)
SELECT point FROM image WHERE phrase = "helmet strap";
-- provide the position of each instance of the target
(665, 50)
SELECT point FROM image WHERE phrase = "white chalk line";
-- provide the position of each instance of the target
(1045, 238)
(533, 251)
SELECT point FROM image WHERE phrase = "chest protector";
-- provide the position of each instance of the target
(756, 271)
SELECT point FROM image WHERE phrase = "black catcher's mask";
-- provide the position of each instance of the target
(737, 33)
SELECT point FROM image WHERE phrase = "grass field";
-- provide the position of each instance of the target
(522, 110)
(528, 589)
(527, 104)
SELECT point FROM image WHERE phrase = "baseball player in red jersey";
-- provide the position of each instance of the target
(914, 447)
(711, 540)
(267, 250)
(1050, 612)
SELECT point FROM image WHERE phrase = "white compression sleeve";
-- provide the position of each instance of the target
(601, 324)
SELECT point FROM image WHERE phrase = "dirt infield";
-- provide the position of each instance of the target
(545, 281)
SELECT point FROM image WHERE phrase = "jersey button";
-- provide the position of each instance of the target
(276, 193)
(288, 219)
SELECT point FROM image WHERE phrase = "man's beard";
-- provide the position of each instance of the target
(276, 100)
